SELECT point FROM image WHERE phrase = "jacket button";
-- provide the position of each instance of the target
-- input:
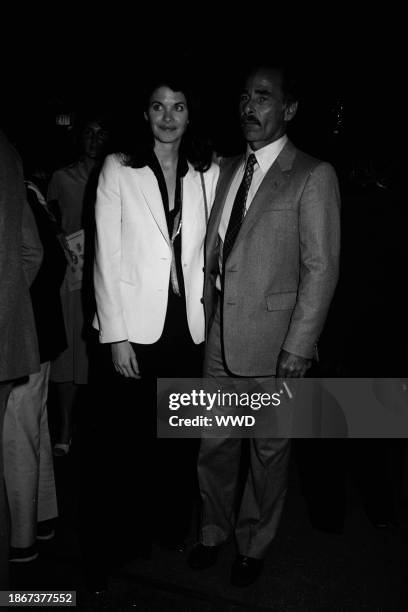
(202, 300)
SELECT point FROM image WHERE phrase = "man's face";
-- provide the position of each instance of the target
(263, 111)
(94, 140)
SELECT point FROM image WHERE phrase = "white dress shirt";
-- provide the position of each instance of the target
(265, 158)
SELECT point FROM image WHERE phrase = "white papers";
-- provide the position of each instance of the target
(74, 251)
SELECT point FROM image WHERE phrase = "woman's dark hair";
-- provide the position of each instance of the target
(195, 146)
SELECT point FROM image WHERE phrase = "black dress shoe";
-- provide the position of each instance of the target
(202, 557)
(383, 522)
(381, 516)
(245, 570)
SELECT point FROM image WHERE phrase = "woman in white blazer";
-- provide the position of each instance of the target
(151, 212)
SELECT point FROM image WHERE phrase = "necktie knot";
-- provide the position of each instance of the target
(249, 168)
(251, 161)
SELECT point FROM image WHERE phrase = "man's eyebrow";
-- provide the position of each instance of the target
(263, 92)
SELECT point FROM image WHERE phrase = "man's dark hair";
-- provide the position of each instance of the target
(288, 77)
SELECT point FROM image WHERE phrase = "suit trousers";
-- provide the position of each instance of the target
(28, 465)
(5, 388)
(258, 514)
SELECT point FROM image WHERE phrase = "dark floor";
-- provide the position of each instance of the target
(362, 569)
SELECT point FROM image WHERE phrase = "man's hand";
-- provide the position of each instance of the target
(124, 359)
(292, 366)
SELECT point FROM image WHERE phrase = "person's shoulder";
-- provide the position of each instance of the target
(114, 161)
(117, 158)
(214, 167)
(226, 163)
(213, 170)
(63, 172)
(310, 163)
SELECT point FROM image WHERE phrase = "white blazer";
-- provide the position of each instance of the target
(133, 252)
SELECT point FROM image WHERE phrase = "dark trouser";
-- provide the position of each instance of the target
(134, 485)
(172, 472)
(5, 388)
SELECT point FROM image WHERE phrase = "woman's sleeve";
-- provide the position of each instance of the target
(108, 252)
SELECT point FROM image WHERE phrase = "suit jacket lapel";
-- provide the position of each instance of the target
(153, 198)
(271, 184)
(224, 182)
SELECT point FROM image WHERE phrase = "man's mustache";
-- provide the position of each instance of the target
(249, 119)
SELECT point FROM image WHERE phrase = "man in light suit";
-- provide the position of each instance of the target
(272, 254)
(20, 260)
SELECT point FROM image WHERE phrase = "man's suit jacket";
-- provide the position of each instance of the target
(20, 259)
(282, 271)
(133, 252)
(45, 290)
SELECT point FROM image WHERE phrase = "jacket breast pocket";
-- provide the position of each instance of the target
(281, 301)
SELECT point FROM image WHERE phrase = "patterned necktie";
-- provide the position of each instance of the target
(238, 209)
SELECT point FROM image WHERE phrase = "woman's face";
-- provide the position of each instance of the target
(167, 114)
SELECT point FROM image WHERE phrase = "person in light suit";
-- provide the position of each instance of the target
(151, 214)
(272, 253)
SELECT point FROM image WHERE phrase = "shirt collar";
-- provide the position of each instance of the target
(268, 154)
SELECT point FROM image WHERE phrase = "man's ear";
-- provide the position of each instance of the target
(145, 116)
(290, 111)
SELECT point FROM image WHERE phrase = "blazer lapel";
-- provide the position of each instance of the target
(193, 210)
(152, 195)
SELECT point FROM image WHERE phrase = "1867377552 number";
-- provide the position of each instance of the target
(37, 598)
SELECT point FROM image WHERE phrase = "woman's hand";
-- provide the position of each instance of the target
(124, 359)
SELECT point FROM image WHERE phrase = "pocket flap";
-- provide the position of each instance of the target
(281, 301)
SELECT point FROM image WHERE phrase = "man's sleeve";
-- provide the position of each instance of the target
(319, 236)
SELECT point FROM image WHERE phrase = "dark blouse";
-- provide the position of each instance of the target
(182, 169)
